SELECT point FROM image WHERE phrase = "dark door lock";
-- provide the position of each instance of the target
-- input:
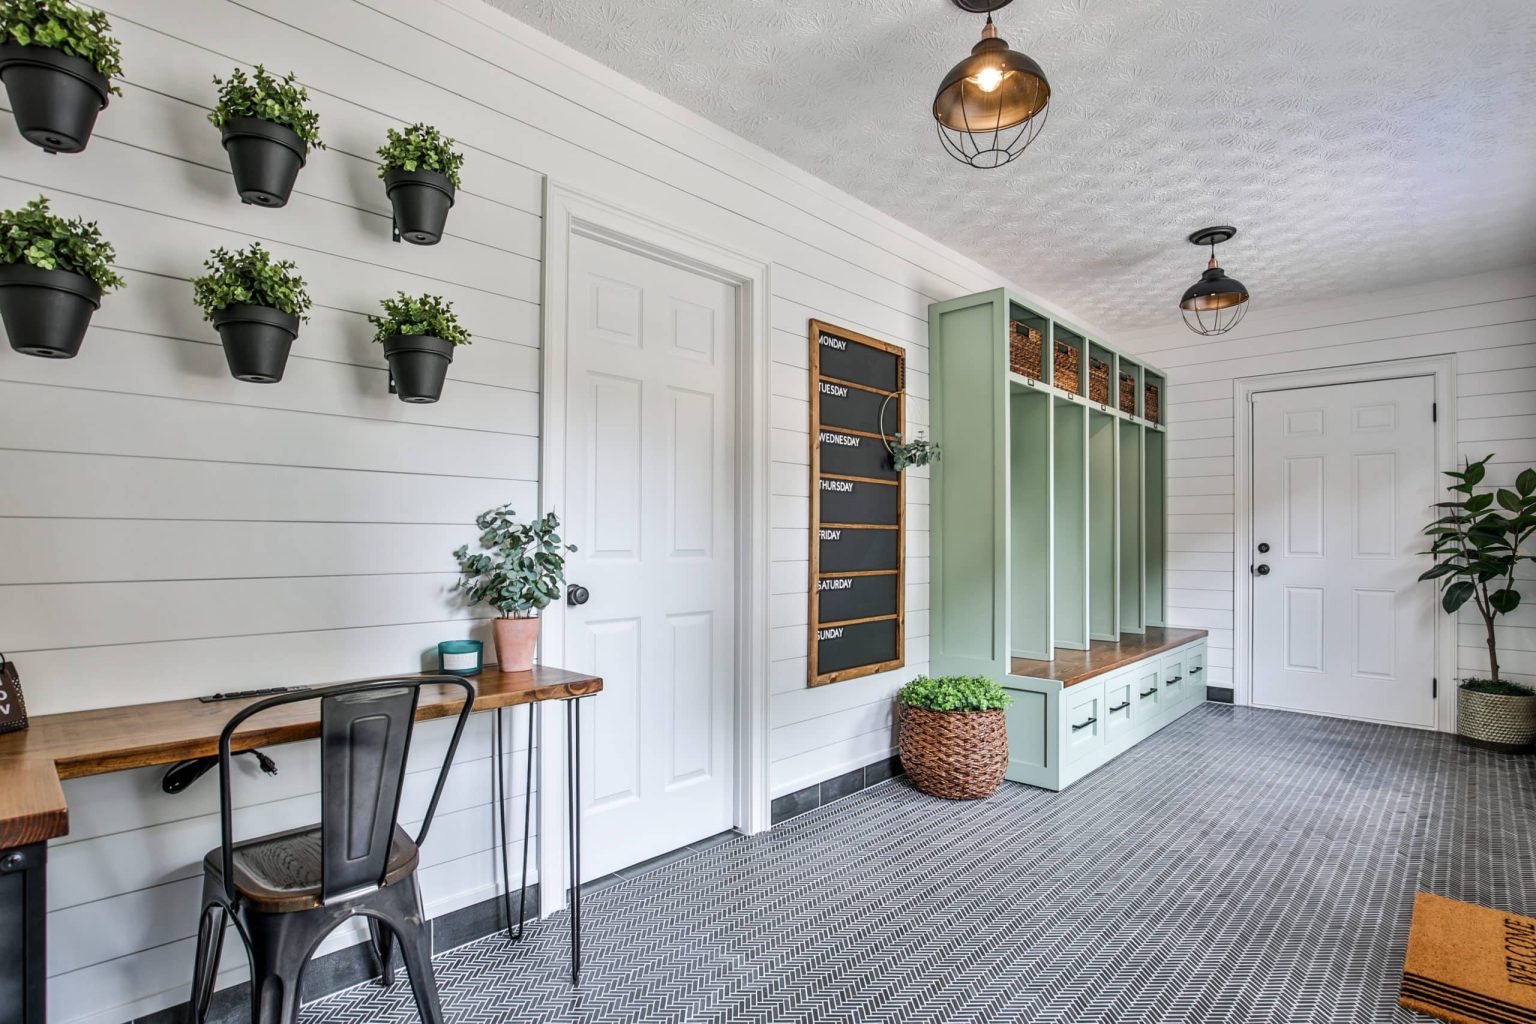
(1261, 569)
(1263, 549)
(576, 594)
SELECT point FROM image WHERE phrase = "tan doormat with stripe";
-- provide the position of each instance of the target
(1470, 964)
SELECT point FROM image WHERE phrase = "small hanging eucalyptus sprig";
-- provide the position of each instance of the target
(917, 452)
(521, 567)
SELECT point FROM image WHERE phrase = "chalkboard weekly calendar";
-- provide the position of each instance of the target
(858, 506)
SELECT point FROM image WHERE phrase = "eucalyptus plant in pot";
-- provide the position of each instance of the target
(268, 129)
(420, 169)
(1477, 545)
(256, 303)
(53, 273)
(419, 334)
(954, 739)
(518, 571)
(58, 61)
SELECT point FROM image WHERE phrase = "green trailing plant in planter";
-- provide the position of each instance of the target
(1477, 543)
(419, 334)
(256, 303)
(420, 169)
(519, 571)
(268, 129)
(53, 273)
(954, 738)
(58, 60)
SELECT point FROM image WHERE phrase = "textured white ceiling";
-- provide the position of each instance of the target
(1356, 144)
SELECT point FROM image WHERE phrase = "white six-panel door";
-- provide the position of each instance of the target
(1343, 481)
(651, 506)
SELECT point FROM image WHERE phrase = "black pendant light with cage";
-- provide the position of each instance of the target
(991, 105)
(1216, 303)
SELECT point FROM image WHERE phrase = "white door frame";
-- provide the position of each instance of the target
(1443, 370)
(568, 213)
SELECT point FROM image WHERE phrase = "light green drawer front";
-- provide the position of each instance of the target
(1177, 686)
(1082, 736)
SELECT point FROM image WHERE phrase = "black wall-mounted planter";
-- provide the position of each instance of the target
(55, 96)
(266, 159)
(421, 200)
(46, 312)
(256, 341)
(418, 365)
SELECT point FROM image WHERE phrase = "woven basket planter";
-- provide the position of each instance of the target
(1496, 720)
(957, 755)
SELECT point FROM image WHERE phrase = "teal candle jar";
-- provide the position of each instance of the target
(460, 657)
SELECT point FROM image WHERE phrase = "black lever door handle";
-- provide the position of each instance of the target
(576, 594)
(1085, 725)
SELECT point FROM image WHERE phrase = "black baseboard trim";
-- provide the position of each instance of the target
(792, 805)
(329, 974)
(1219, 694)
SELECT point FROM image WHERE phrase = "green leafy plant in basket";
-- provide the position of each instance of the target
(1477, 544)
(955, 693)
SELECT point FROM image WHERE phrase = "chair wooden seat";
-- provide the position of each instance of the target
(280, 873)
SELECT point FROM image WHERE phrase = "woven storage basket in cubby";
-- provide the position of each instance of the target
(1150, 400)
(958, 755)
(1065, 368)
(1128, 394)
(1098, 381)
(1024, 355)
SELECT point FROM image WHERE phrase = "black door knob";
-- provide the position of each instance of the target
(1262, 570)
(576, 594)
(1263, 549)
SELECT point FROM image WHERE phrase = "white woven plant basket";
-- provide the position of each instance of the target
(1496, 718)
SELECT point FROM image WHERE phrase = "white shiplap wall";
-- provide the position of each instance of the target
(1487, 322)
(167, 531)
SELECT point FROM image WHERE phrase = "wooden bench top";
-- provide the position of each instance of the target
(1104, 655)
(81, 743)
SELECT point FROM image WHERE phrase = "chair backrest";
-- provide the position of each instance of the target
(365, 741)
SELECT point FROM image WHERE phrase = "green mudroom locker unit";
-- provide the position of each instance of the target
(1049, 535)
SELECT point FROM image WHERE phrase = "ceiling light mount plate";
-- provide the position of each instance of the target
(981, 6)
(1213, 235)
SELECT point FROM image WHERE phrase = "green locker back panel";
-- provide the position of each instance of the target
(1070, 496)
(1156, 469)
(1131, 620)
(1103, 541)
(1030, 521)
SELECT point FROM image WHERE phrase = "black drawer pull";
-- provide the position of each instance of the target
(1120, 707)
(1196, 671)
(1175, 679)
(1085, 725)
(1148, 693)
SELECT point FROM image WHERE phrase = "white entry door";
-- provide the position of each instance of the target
(1343, 482)
(651, 506)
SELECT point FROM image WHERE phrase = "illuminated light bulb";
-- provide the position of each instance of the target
(988, 79)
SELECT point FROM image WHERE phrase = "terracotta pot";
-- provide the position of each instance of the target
(515, 641)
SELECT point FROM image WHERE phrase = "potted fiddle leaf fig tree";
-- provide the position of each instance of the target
(1477, 545)
(268, 129)
(419, 334)
(256, 303)
(518, 571)
(954, 738)
(58, 60)
(420, 169)
(53, 273)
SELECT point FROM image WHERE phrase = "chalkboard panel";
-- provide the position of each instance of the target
(844, 549)
(845, 358)
(854, 501)
(857, 503)
(857, 597)
(855, 455)
(839, 648)
(857, 409)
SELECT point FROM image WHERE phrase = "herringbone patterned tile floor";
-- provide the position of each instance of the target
(1240, 866)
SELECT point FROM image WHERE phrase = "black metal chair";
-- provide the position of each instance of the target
(287, 891)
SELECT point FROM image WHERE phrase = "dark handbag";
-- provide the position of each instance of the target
(13, 706)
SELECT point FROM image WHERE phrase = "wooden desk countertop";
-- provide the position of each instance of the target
(1105, 656)
(81, 743)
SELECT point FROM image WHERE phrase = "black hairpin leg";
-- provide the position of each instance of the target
(499, 787)
(573, 803)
